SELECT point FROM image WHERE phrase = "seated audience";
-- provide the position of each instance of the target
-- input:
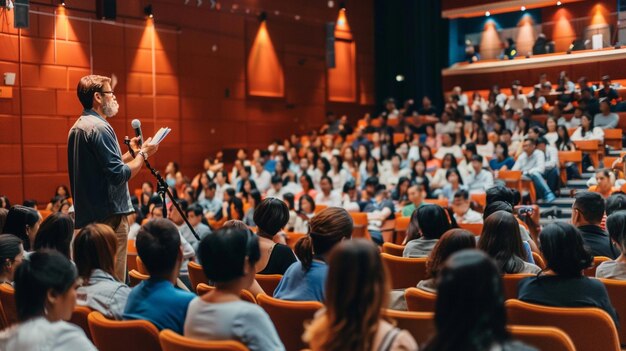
(428, 223)
(159, 247)
(56, 233)
(254, 199)
(587, 214)
(23, 222)
(470, 312)
(605, 119)
(462, 210)
(454, 184)
(271, 216)
(228, 259)
(94, 251)
(615, 269)
(45, 296)
(501, 240)
(478, 179)
(563, 284)
(11, 255)
(379, 209)
(305, 279)
(501, 158)
(356, 278)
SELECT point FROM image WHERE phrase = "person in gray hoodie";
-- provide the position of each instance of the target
(428, 223)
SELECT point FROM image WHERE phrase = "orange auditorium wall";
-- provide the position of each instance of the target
(187, 72)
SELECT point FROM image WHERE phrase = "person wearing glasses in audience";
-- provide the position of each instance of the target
(99, 172)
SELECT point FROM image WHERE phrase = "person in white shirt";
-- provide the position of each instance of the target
(463, 100)
(448, 148)
(587, 132)
(337, 173)
(478, 179)
(194, 215)
(445, 125)
(93, 251)
(276, 190)
(45, 295)
(391, 176)
(552, 134)
(462, 210)
(532, 163)
(517, 101)
(261, 177)
(327, 196)
(221, 184)
(551, 173)
(479, 103)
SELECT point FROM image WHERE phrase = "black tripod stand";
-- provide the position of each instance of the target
(162, 190)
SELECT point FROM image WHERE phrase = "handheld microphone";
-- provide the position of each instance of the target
(136, 124)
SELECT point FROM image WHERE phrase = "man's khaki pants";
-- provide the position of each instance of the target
(119, 223)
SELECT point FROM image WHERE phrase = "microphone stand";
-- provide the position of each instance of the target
(162, 190)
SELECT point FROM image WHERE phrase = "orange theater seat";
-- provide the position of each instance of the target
(196, 275)
(170, 341)
(591, 271)
(289, 318)
(135, 277)
(441, 202)
(475, 228)
(110, 335)
(589, 328)
(393, 249)
(292, 238)
(401, 226)
(570, 156)
(543, 338)
(510, 282)
(539, 260)
(404, 272)
(360, 225)
(419, 300)
(268, 282)
(421, 325)
(617, 294)
(79, 318)
(7, 299)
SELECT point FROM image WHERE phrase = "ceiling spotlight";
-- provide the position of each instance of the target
(331, 4)
(187, 2)
(62, 3)
(523, 8)
(558, 3)
(297, 17)
(148, 11)
(277, 12)
(342, 5)
(487, 13)
(214, 48)
(399, 78)
(263, 16)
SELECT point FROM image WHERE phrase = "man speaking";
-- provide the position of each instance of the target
(99, 173)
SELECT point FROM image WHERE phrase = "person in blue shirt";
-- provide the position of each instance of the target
(305, 280)
(501, 158)
(157, 299)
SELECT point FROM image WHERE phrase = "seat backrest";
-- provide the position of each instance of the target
(110, 335)
(7, 299)
(539, 260)
(479, 198)
(419, 300)
(136, 277)
(441, 202)
(543, 338)
(572, 156)
(268, 282)
(589, 328)
(400, 228)
(510, 282)
(79, 318)
(292, 238)
(404, 272)
(393, 249)
(170, 341)
(196, 275)
(591, 271)
(617, 294)
(421, 325)
(586, 145)
(475, 228)
(319, 208)
(289, 318)
(245, 295)
(140, 266)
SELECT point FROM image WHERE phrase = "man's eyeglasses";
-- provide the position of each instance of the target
(107, 92)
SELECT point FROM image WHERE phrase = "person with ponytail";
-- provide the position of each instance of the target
(305, 279)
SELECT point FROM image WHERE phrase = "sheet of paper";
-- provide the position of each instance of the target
(160, 135)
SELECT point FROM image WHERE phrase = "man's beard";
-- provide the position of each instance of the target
(110, 108)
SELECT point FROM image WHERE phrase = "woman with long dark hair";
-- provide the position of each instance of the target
(305, 279)
(469, 312)
(56, 233)
(502, 241)
(562, 284)
(357, 290)
(23, 222)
